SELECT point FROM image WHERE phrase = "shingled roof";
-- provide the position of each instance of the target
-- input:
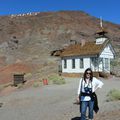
(89, 48)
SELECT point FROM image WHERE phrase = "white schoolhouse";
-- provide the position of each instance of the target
(95, 55)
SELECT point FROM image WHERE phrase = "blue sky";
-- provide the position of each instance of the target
(108, 9)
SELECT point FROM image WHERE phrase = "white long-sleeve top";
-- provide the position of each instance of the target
(95, 84)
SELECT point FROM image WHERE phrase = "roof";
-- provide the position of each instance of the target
(102, 30)
(88, 49)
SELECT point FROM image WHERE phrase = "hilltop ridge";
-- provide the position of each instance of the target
(29, 38)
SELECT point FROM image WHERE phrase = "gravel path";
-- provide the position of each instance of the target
(55, 102)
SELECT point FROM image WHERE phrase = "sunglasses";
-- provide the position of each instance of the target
(88, 73)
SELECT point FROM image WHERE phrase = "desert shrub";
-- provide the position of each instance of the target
(113, 94)
(20, 86)
(56, 79)
(2, 86)
(37, 84)
(114, 63)
(28, 75)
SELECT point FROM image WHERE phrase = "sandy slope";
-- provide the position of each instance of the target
(55, 102)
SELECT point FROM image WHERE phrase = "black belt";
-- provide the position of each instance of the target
(88, 94)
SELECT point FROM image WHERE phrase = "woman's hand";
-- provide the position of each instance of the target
(78, 100)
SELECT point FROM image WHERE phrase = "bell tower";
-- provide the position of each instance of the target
(101, 34)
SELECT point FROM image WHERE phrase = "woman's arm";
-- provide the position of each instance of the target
(79, 90)
(98, 83)
(79, 87)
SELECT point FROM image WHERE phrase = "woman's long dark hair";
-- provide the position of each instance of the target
(91, 74)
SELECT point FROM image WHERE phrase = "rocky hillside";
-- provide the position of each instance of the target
(29, 38)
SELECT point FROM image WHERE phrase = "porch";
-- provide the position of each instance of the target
(76, 75)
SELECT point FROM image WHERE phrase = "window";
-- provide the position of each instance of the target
(65, 63)
(106, 63)
(94, 61)
(81, 63)
(73, 63)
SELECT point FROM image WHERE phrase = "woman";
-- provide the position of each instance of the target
(86, 93)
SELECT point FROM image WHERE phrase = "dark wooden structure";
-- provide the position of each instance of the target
(18, 79)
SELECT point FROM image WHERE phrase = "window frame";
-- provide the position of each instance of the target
(73, 63)
(81, 63)
(65, 63)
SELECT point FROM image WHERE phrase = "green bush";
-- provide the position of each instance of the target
(37, 84)
(56, 79)
(20, 86)
(113, 94)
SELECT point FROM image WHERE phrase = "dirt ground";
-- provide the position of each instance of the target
(55, 102)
